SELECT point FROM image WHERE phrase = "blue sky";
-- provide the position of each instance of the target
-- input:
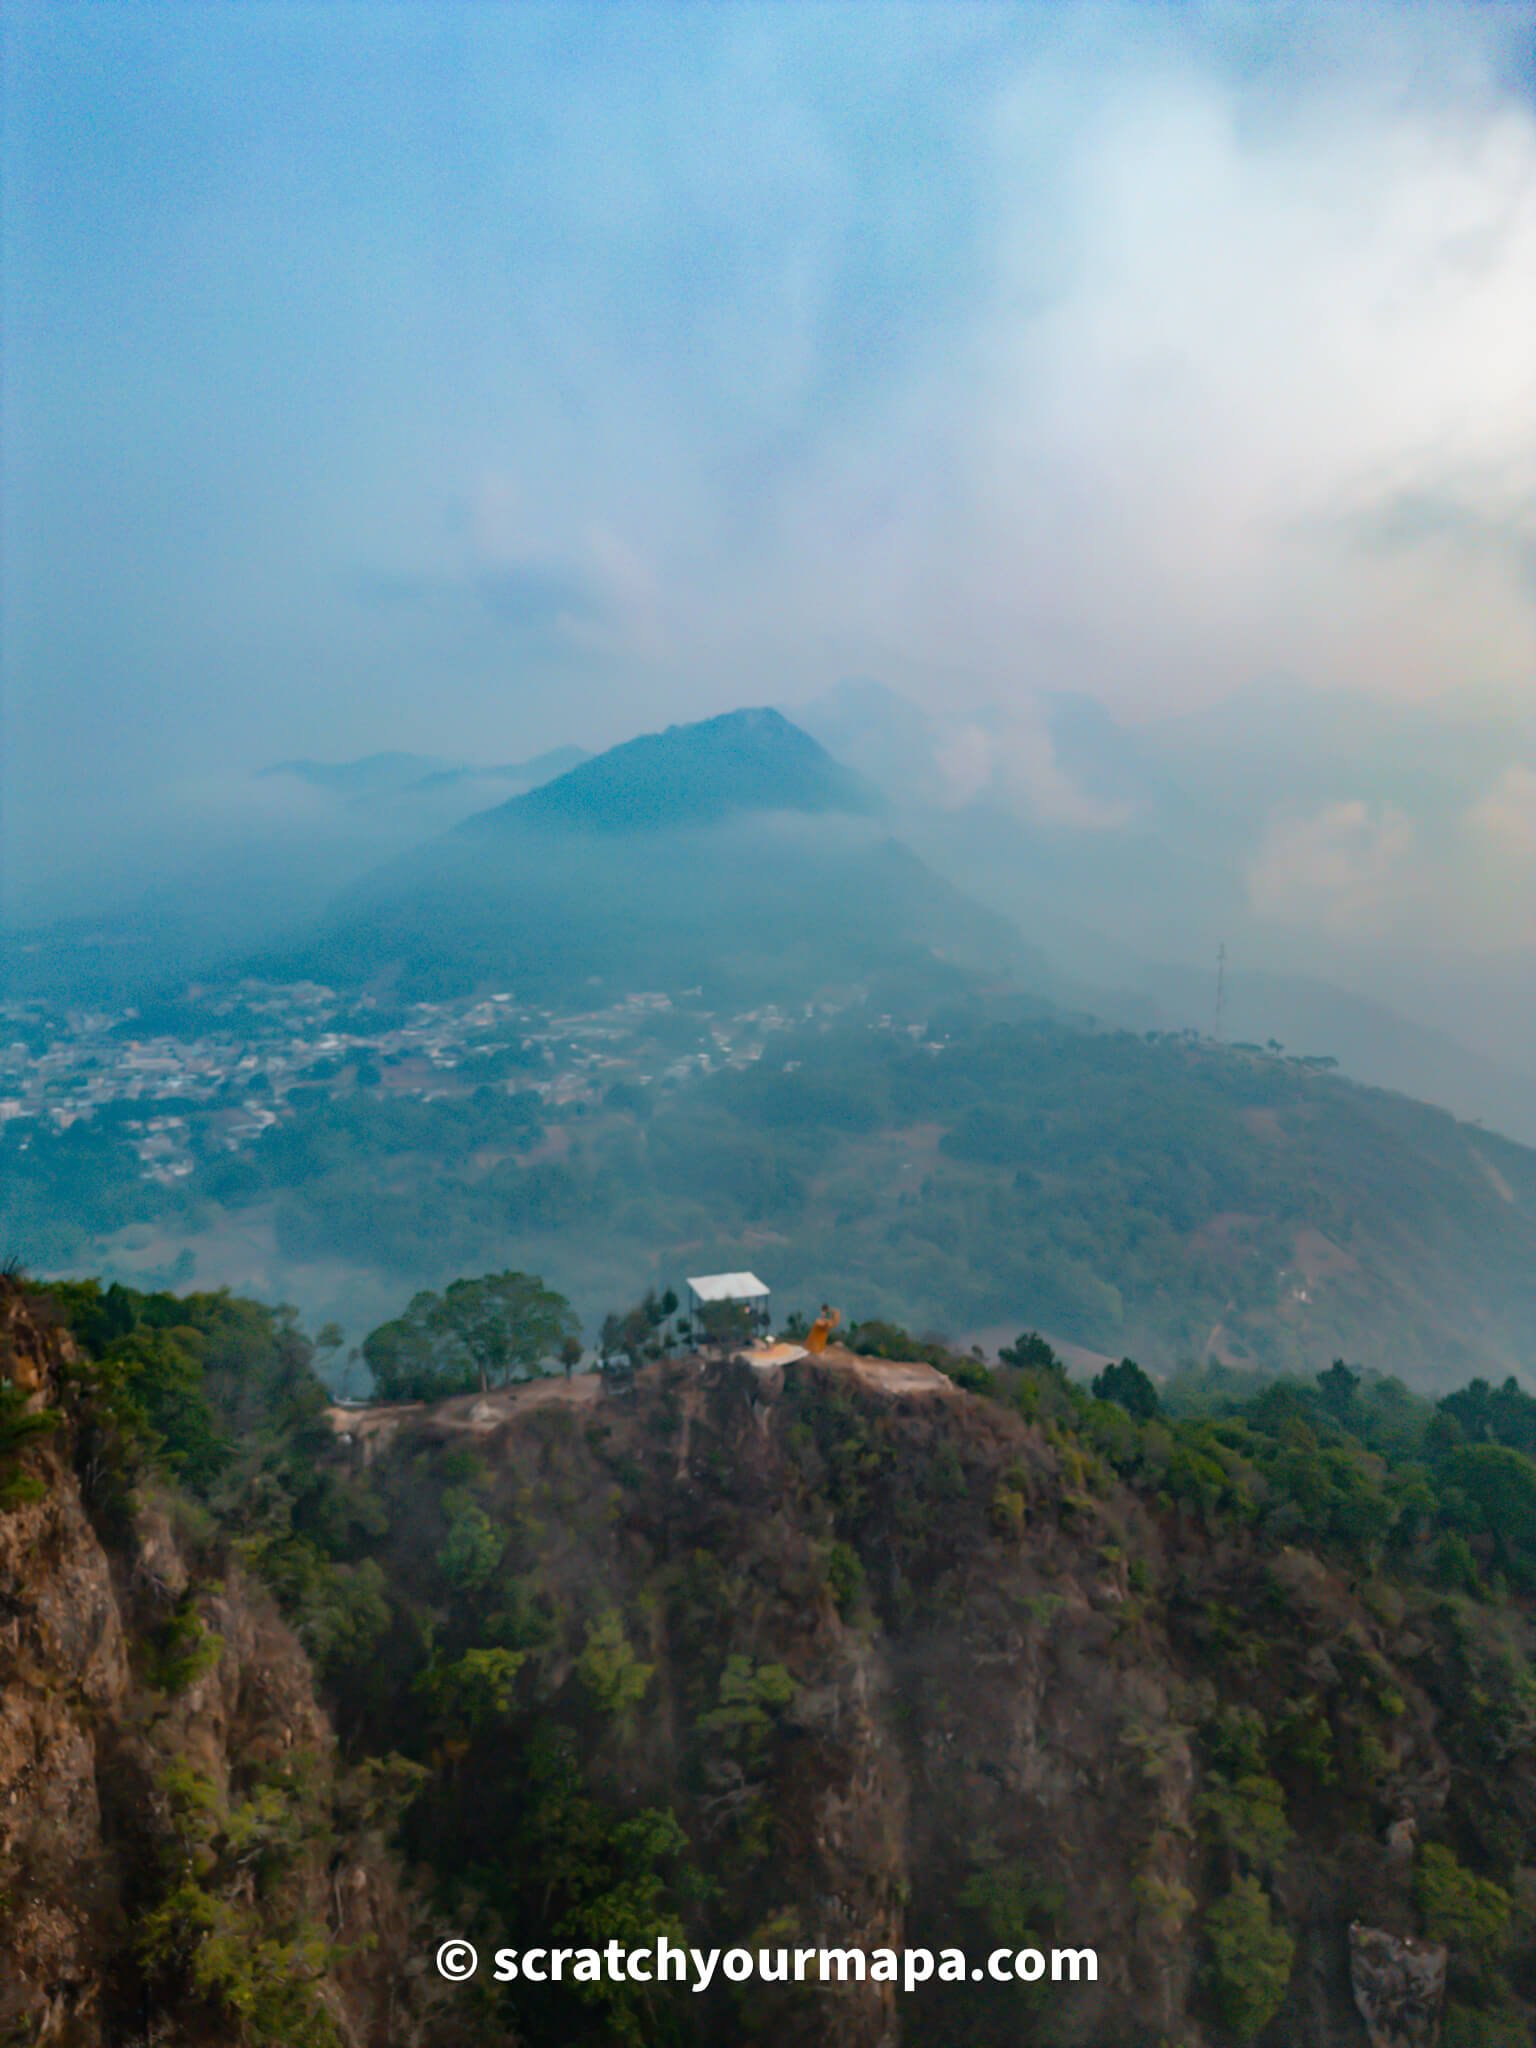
(475, 379)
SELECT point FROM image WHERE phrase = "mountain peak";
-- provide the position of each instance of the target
(741, 761)
(381, 774)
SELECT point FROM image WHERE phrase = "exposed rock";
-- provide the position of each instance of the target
(1399, 1987)
(1000, 1719)
(1400, 1838)
(85, 1740)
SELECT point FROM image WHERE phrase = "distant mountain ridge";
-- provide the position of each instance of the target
(530, 773)
(401, 774)
(1124, 854)
(735, 853)
(688, 775)
(367, 775)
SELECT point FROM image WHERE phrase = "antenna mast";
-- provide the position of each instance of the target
(1221, 984)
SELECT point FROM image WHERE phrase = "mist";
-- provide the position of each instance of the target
(485, 382)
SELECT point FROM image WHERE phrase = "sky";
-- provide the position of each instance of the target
(477, 379)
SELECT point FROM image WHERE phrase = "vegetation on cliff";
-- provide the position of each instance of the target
(851, 1654)
(184, 1855)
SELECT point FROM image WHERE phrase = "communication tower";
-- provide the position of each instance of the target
(1221, 984)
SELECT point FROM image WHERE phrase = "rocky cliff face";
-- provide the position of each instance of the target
(170, 1794)
(1013, 1703)
(1399, 1987)
(837, 1655)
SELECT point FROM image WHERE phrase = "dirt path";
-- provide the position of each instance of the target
(480, 1414)
(1496, 1180)
(885, 1375)
(474, 1414)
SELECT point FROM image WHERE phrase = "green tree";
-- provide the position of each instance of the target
(845, 1576)
(1498, 1489)
(473, 1552)
(183, 1650)
(155, 1382)
(1507, 1416)
(346, 1614)
(752, 1698)
(639, 1335)
(593, 1874)
(476, 1333)
(1250, 1959)
(609, 1669)
(474, 1690)
(727, 1323)
(1030, 1353)
(1240, 1804)
(1129, 1387)
(1459, 1907)
(1337, 1386)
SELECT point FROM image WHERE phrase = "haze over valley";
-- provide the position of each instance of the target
(696, 1000)
(768, 1024)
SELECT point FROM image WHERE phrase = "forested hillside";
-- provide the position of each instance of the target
(1170, 1197)
(843, 1653)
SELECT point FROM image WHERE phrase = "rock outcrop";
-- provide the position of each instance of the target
(98, 1730)
(1399, 1987)
(838, 1654)
(1020, 1721)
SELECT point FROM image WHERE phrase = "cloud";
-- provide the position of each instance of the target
(1122, 350)
(1012, 757)
(536, 599)
(965, 763)
(594, 594)
(1506, 816)
(1452, 882)
(1341, 869)
(1196, 346)
(1224, 332)
(1418, 519)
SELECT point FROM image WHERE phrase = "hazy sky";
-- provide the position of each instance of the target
(472, 379)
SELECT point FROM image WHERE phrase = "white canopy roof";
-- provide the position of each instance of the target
(728, 1287)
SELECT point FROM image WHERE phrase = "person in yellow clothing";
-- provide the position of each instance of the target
(817, 1335)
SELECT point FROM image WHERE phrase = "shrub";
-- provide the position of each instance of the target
(1017, 1912)
(609, 1669)
(1467, 2026)
(1304, 1742)
(845, 1576)
(475, 1689)
(184, 1650)
(19, 1427)
(213, 1928)
(752, 1697)
(1009, 1512)
(1250, 1959)
(1458, 1907)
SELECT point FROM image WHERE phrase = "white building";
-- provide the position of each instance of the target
(743, 1290)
